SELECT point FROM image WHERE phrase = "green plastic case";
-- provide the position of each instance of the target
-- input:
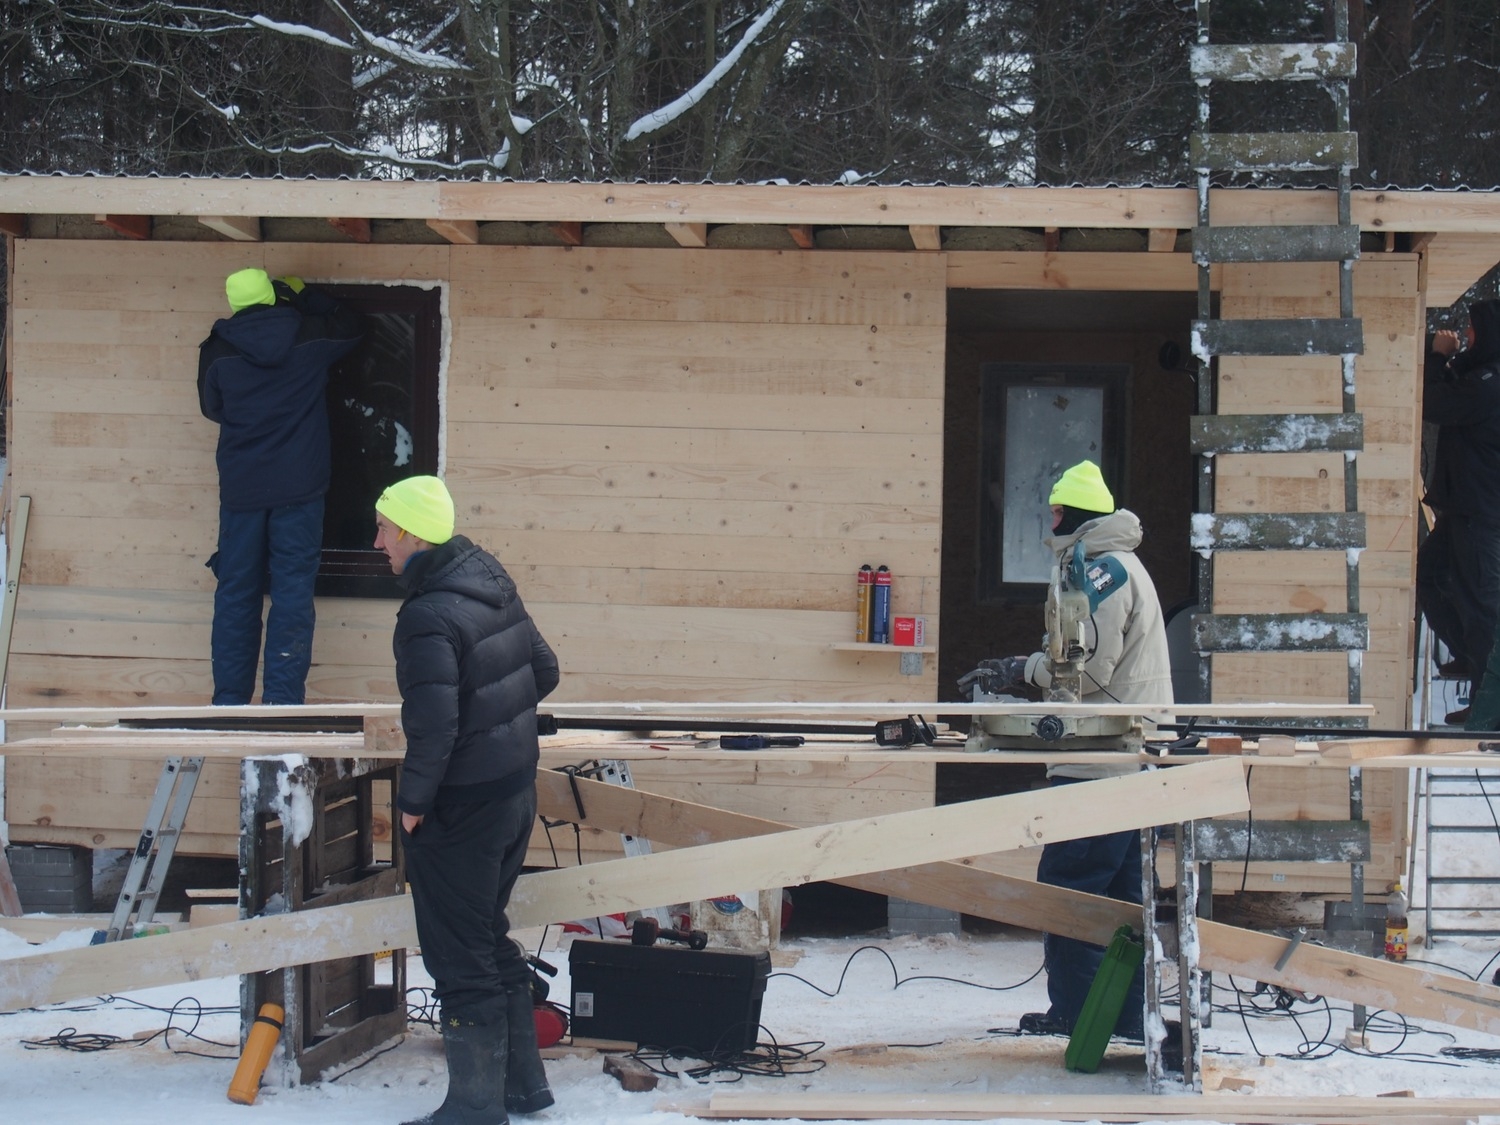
(1101, 1010)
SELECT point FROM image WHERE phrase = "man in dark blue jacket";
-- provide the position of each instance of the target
(1458, 566)
(262, 375)
(471, 667)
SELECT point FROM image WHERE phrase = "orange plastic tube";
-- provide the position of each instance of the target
(265, 1032)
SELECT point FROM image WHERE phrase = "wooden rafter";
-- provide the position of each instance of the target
(464, 232)
(131, 226)
(568, 233)
(1161, 240)
(803, 235)
(356, 230)
(692, 235)
(14, 225)
(238, 228)
(926, 236)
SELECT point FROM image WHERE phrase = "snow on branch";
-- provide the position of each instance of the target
(385, 66)
(657, 118)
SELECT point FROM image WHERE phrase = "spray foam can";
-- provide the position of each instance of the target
(864, 583)
(880, 607)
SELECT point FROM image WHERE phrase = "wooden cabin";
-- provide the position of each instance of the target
(685, 415)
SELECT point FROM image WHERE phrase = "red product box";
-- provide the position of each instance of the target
(908, 631)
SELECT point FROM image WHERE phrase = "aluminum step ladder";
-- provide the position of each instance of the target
(147, 873)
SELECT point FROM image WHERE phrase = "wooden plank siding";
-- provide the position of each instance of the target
(1389, 298)
(682, 456)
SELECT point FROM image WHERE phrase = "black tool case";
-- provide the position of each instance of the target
(704, 1002)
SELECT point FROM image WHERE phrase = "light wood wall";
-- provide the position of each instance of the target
(682, 456)
(1389, 299)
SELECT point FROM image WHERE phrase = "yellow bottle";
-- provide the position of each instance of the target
(265, 1032)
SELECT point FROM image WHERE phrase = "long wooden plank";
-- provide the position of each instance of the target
(975, 888)
(1229, 1108)
(787, 859)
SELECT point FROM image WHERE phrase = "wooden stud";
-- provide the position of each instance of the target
(131, 226)
(1051, 239)
(464, 232)
(802, 234)
(1161, 240)
(13, 225)
(236, 228)
(691, 235)
(1420, 240)
(356, 230)
(568, 233)
(926, 236)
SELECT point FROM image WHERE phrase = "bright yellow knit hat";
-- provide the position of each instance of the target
(420, 505)
(249, 287)
(1083, 487)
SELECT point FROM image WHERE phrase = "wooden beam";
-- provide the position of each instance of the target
(568, 233)
(1078, 269)
(10, 898)
(356, 230)
(1161, 240)
(131, 226)
(236, 228)
(971, 888)
(692, 235)
(803, 235)
(1051, 239)
(464, 232)
(1134, 208)
(948, 1106)
(790, 858)
(926, 236)
(13, 225)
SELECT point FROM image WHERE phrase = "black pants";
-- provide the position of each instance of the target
(1458, 586)
(463, 862)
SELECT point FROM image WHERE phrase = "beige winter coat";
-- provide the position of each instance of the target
(1128, 661)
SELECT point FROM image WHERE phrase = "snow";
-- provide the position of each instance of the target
(947, 1026)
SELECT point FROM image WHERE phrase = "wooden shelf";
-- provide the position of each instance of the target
(865, 646)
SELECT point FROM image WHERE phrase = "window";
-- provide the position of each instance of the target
(1036, 420)
(383, 420)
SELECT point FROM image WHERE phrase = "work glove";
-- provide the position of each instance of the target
(996, 677)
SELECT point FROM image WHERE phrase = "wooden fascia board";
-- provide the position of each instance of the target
(1141, 208)
(790, 858)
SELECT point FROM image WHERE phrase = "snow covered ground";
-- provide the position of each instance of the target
(928, 1014)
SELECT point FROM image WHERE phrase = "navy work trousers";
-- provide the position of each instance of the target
(1100, 865)
(267, 551)
(463, 862)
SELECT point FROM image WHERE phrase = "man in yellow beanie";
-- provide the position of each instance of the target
(262, 374)
(1127, 663)
(472, 667)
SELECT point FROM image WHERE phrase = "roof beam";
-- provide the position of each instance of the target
(237, 228)
(131, 226)
(569, 233)
(14, 225)
(691, 235)
(356, 230)
(802, 234)
(1161, 240)
(926, 236)
(464, 232)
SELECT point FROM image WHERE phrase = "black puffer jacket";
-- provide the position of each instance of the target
(263, 376)
(472, 668)
(1462, 397)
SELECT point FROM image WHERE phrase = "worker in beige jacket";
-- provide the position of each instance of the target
(1127, 663)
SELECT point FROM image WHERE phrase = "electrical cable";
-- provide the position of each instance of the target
(899, 979)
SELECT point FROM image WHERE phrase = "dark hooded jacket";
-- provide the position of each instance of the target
(1462, 397)
(263, 376)
(472, 668)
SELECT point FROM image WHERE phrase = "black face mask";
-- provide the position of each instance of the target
(1073, 519)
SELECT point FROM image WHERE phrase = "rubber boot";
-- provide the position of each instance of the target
(476, 1043)
(526, 1089)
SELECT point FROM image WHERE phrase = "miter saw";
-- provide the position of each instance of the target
(1073, 593)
